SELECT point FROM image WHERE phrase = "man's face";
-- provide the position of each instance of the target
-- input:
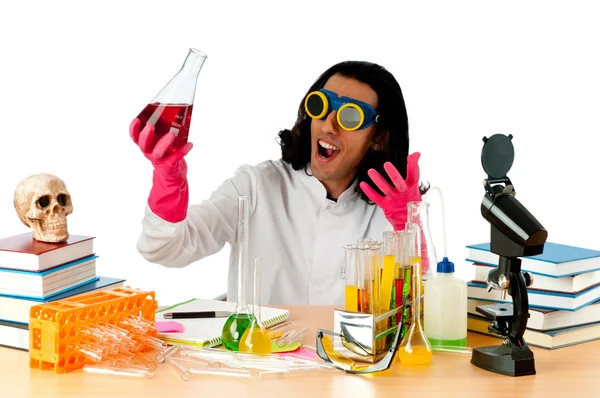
(337, 153)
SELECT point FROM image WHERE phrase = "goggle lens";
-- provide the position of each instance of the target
(316, 105)
(350, 117)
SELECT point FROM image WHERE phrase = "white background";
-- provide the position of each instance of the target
(73, 75)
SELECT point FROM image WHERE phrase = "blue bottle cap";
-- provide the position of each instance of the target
(445, 266)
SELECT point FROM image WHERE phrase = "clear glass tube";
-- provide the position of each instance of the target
(351, 275)
(116, 371)
(292, 372)
(452, 349)
(92, 352)
(143, 359)
(183, 371)
(238, 373)
(162, 356)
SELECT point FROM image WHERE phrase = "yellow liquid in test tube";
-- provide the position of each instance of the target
(419, 356)
(387, 280)
(352, 298)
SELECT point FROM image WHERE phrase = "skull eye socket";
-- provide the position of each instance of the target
(62, 199)
(43, 201)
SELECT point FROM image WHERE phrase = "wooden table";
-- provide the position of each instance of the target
(571, 372)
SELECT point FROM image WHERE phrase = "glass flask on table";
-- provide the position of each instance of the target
(241, 318)
(415, 348)
(255, 339)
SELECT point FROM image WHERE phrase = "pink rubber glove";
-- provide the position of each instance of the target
(394, 204)
(169, 195)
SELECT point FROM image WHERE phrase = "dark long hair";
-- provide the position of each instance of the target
(391, 129)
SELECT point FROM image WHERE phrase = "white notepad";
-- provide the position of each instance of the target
(207, 332)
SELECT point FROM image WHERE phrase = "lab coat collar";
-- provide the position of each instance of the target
(319, 188)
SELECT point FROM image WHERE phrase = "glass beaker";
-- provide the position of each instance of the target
(171, 109)
(241, 318)
(418, 214)
(255, 339)
(415, 348)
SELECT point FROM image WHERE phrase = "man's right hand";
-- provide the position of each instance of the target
(169, 195)
(173, 166)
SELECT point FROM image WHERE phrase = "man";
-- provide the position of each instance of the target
(351, 127)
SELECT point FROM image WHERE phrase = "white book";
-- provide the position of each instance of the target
(14, 335)
(206, 332)
(16, 309)
(49, 282)
(565, 284)
(546, 319)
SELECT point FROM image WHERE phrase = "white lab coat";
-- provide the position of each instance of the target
(297, 232)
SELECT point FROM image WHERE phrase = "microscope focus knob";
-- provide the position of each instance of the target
(503, 281)
(528, 279)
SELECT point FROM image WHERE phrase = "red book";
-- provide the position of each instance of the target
(22, 252)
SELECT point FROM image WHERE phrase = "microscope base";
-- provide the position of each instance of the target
(505, 359)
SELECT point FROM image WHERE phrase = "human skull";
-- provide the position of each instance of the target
(43, 203)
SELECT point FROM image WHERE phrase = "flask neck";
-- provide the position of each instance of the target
(416, 289)
(193, 62)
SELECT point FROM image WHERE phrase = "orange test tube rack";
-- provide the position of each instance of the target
(54, 327)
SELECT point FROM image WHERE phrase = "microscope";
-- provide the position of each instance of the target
(515, 233)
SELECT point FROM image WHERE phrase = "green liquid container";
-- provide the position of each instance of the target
(234, 329)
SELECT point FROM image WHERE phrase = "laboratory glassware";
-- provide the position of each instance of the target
(171, 109)
(255, 339)
(241, 318)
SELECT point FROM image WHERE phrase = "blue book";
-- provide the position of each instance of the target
(557, 260)
(16, 309)
(538, 298)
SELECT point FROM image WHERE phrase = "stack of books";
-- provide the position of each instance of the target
(34, 272)
(564, 300)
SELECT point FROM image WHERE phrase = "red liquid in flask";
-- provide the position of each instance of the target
(165, 118)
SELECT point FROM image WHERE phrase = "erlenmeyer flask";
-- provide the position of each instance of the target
(241, 318)
(415, 348)
(255, 339)
(171, 109)
(418, 214)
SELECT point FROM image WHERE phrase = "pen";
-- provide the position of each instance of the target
(201, 314)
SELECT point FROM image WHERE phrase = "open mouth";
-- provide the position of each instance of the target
(326, 151)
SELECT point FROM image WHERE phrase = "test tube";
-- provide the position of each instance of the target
(238, 373)
(92, 351)
(291, 372)
(123, 364)
(163, 355)
(117, 371)
(404, 271)
(184, 373)
(291, 337)
(203, 363)
(293, 359)
(351, 274)
(143, 359)
(368, 284)
(452, 349)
